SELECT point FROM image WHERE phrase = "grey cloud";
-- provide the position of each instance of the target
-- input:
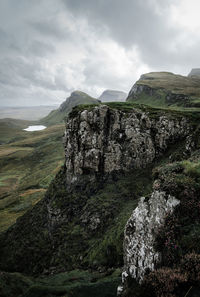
(133, 23)
(49, 28)
(41, 53)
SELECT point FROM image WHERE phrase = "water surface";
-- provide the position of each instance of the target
(35, 128)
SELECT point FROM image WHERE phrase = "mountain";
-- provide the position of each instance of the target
(115, 154)
(112, 95)
(165, 89)
(76, 98)
(194, 72)
(126, 199)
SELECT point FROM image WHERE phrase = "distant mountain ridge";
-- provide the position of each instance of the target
(194, 72)
(112, 96)
(76, 98)
(30, 113)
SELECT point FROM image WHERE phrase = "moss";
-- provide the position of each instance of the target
(75, 283)
(191, 168)
(180, 233)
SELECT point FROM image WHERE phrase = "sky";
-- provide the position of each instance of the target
(49, 48)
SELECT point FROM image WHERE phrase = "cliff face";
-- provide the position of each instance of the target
(163, 89)
(103, 140)
(140, 255)
(73, 225)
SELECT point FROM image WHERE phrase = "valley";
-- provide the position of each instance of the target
(128, 173)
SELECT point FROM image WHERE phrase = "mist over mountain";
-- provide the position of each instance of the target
(112, 95)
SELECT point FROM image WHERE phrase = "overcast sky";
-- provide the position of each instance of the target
(49, 48)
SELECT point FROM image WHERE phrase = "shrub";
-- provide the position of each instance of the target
(165, 282)
(190, 264)
(192, 168)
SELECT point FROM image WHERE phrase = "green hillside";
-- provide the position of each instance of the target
(165, 89)
(28, 162)
(58, 115)
(12, 129)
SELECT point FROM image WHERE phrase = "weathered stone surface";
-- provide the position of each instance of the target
(105, 140)
(180, 99)
(139, 88)
(139, 236)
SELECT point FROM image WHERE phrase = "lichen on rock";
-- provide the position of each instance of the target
(140, 232)
(103, 140)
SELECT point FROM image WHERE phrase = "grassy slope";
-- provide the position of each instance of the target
(58, 115)
(172, 82)
(11, 129)
(75, 283)
(28, 163)
(165, 82)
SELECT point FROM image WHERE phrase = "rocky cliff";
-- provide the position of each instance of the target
(110, 153)
(140, 255)
(101, 141)
(165, 89)
(74, 225)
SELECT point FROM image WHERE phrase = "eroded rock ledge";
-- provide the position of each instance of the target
(139, 235)
(104, 140)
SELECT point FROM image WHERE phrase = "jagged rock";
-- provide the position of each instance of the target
(173, 98)
(105, 140)
(139, 235)
(139, 88)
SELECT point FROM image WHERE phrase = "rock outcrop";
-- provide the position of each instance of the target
(138, 89)
(74, 226)
(103, 140)
(140, 255)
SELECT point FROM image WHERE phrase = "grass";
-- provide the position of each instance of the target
(28, 164)
(58, 115)
(172, 82)
(191, 168)
(163, 83)
(74, 283)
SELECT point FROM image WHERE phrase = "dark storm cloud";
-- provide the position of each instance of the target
(50, 47)
(131, 22)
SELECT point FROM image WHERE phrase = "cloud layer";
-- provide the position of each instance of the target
(50, 48)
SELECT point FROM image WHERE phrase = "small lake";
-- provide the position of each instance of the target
(35, 128)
